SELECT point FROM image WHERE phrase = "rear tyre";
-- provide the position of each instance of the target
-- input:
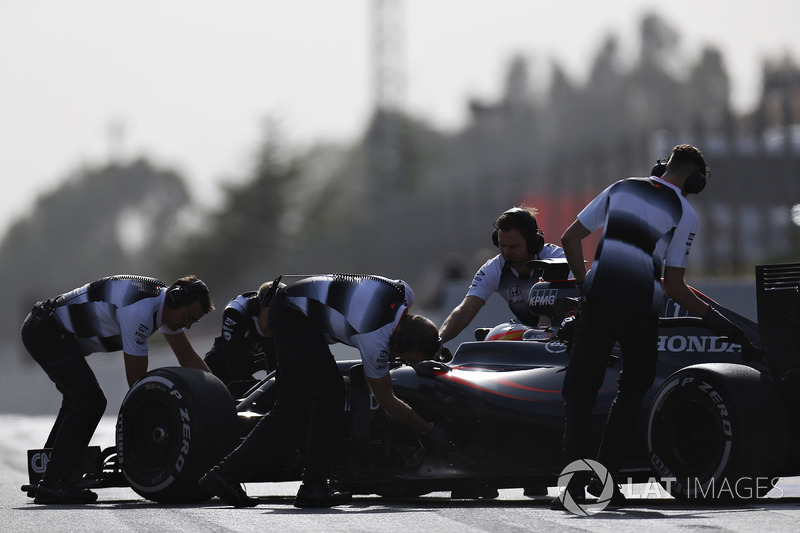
(717, 432)
(174, 425)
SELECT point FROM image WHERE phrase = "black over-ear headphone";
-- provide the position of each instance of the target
(266, 297)
(659, 168)
(695, 183)
(254, 303)
(533, 235)
(180, 294)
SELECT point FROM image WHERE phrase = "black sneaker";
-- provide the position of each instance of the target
(577, 493)
(535, 490)
(474, 493)
(320, 496)
(228, 491)
(62, 492)
(595, 488)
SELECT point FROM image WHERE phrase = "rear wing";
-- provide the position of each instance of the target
(778, 303)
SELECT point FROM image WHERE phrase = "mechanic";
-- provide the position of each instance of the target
(110, 314)
(649, 228)
(245, 346)
(519, 239)
(367, 312)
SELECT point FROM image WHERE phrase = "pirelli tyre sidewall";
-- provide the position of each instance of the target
(174, 424)
(717, 432)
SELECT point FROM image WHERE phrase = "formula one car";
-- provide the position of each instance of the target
(720, 422)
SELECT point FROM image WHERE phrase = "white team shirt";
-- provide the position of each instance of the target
(648, 224)
(114, 313)
(359, 311)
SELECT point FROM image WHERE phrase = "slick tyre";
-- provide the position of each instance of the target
(717, 433)
(173, 426)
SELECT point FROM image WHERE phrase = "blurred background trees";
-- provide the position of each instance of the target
(424, 210)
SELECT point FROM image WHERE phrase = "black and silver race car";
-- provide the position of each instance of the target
(720, 422)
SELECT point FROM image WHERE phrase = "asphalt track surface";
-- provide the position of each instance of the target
(121, 509)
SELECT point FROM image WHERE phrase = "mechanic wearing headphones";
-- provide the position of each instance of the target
(367, 312)
(245, 344)
(649, 228)
(110, 314)
(519, 239)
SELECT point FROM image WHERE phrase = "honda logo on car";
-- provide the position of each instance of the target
(543, 297)
(696, 343)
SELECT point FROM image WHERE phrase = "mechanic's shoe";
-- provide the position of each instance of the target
(473, 493)
(320, 496)
(595, 488)
(63, 492)
(535, 490)
(228, 491)
(577, 493)
(617, 499)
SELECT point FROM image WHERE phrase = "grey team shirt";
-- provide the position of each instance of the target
(647, 224)
(114, 313)
(494, 276)
(359, 311)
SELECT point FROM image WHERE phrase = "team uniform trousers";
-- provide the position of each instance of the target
(601, 324)
(83, 403)
(310, 398)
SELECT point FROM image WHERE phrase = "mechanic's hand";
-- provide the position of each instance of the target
(566, 330)
(725, 328)
(439, 440)
(445, 356)
(721, 326)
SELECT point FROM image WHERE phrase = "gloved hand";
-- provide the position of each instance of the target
(445, 356)
(567, 329)
(725, 328)
(439, 440)
(721, 326)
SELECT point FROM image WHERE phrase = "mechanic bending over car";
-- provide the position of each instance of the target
(649, 228)
(367, 312)
(519, 239)
(245, 345)
(110, 314)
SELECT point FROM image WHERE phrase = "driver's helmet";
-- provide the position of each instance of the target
(509, 331)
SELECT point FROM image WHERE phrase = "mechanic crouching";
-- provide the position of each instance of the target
(369, 313)
(245, 345)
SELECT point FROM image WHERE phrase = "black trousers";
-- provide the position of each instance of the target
(310, 399)
(83, 404)
(601, 324)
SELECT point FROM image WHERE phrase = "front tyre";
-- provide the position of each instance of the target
(717, 432)
(174, 425)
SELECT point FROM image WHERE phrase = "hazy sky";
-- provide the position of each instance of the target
(193, 80)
